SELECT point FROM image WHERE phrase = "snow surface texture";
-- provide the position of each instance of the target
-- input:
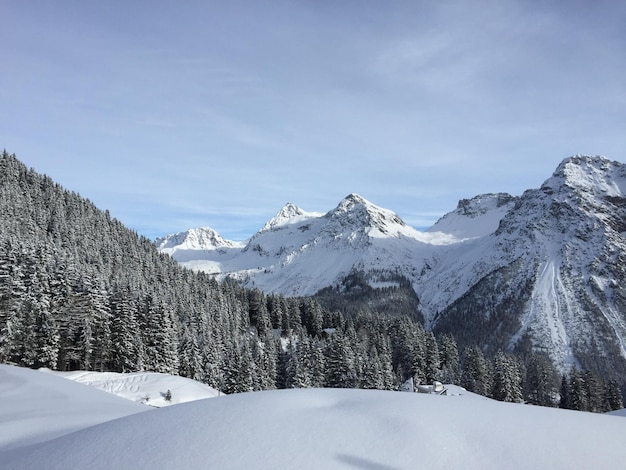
(36, 407)
(565, 241)
(149, 388)
(306, 429)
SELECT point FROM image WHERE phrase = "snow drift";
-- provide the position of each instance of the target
(149, 388)
(325, 428)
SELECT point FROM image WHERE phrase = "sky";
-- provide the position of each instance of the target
(175, 115)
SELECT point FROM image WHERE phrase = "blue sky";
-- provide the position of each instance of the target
(175, 115)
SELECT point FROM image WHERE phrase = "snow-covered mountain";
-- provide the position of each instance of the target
(552, 273)
(542, 270)
(475, 217)
(299, 252)
(53, 423)
(189, 245)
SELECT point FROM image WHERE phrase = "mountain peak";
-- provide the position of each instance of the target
(589, 174)
(290, 213)
(356, 210)
(356, 198)
(354, 202)
(203, 238)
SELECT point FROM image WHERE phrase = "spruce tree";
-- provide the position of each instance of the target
(578, 392)
(449, 360)
(126, 346)
(612, 396)
(565, 401)
(507, 378)
(340, 363)
(476, 373)
(541, 381)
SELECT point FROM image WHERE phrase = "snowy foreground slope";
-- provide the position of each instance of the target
(36, 407)
(308, 428)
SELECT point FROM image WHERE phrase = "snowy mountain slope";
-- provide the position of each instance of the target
(331, 429)
(298, 252)
(190, 245)
(476, 217)
(289, 214)
(306, 256)
(565, 244)
(149, 388)
(543, 270)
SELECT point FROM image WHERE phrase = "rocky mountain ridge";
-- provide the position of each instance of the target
(543, 270)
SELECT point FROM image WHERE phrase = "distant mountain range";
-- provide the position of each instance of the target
(543, 271)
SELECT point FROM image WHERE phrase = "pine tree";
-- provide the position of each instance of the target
(476, 373)
(612, 396)
(259, 316)
(159, 337)
(312, 317)
(239, 369)
(507, 378)
(264, 354)
(47, 337)
(594, 392)
(373, 371)
(127, 349)
(565, 401)
(318, 364)
(388, 377)
(407, 349)
(541, 381)
(295, 371)
(340, 363)
(432, 364)
(214, 359)
(449, 359)
(14, 333)
(578, 397)
(189, 355)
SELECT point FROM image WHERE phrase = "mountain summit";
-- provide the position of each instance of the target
(356, 212)
(204, 238)
(289, 214)
(189, 245)
(552, 274)
(589, 176)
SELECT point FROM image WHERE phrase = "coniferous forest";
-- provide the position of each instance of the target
(78, 290)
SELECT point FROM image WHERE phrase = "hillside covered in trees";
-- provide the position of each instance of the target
(78, 290)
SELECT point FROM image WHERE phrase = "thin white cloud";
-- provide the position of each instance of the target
(224, 113)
